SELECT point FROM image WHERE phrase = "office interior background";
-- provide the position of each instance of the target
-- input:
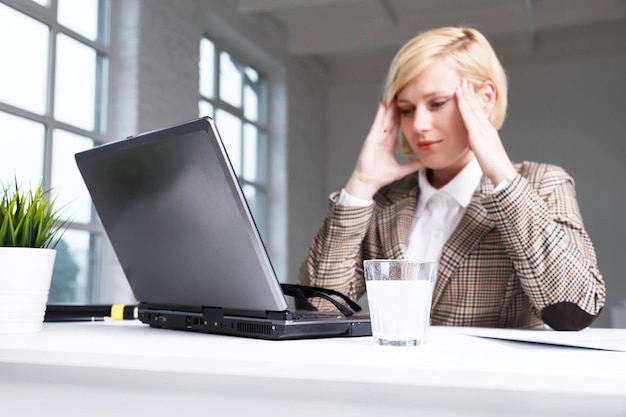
(293, 86)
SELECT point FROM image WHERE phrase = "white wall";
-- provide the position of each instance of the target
(569, 112)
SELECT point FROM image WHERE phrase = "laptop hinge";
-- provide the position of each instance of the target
(279, 315)
(215, 313)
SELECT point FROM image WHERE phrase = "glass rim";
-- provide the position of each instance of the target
(399, 261)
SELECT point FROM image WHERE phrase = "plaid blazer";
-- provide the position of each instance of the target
(515, 255)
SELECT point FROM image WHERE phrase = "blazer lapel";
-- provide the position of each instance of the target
(405, 212)
(474, 225)
(400, 213)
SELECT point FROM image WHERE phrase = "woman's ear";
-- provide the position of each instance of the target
(488, 94)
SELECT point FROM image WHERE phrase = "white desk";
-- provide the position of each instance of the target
(127, 368)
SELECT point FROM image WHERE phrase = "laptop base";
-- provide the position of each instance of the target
(272, 327)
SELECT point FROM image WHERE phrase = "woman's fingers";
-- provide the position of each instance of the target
(390, 121)
(472, 111)
(483, 137)
(377, 164)
(385, 123)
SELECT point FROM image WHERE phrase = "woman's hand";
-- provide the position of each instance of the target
(483, 136)
(377, 165)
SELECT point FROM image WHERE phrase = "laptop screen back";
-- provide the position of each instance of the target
(174, 212)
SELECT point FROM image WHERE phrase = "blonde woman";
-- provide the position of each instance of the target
(509, 237)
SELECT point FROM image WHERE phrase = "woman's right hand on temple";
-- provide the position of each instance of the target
(377, 165)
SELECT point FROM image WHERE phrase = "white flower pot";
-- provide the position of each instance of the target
(25, 276)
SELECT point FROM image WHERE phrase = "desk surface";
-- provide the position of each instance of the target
(127, 367)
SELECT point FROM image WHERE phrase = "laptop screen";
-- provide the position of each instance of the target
(171, 205)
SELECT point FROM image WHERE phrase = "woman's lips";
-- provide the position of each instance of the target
(427, 145)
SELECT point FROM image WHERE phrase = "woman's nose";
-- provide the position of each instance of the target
(422, 120)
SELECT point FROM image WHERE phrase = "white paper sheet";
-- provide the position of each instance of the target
(591, 338)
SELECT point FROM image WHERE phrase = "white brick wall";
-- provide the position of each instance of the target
(154, 83)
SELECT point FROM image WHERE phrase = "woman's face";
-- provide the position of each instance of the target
(431, 121)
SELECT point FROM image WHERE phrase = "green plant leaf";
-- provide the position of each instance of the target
(29, 219)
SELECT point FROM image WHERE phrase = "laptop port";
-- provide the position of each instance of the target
(193, 321)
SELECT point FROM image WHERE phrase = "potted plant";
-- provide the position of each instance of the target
(30, 228)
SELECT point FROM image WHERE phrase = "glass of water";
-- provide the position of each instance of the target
(399, 294)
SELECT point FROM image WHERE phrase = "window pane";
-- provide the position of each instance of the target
(229, 127)
(205, 108)
(72, 267)
(246, 143)
(256, 201)
(230, 80)
(207, 68)
(43, 2)
(254, 96)
(24, 141)
(75, 97)
(254, 154)
(24, 68)
(80, 16)
(67, 182)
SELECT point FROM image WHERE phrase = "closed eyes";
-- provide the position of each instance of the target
(434, 105)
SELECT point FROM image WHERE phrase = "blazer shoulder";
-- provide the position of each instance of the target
(542, 174)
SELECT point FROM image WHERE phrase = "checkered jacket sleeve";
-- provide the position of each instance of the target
(518, 258)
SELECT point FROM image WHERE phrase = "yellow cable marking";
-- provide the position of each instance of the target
(117, 311)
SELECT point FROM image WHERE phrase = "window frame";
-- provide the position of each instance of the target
(47, 15)
(262, 125)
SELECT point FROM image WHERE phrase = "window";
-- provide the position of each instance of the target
(235, 95)
(53, 80)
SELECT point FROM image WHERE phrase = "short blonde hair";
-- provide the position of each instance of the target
(466, 50)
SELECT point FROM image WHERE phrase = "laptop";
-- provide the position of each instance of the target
(174, 211)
